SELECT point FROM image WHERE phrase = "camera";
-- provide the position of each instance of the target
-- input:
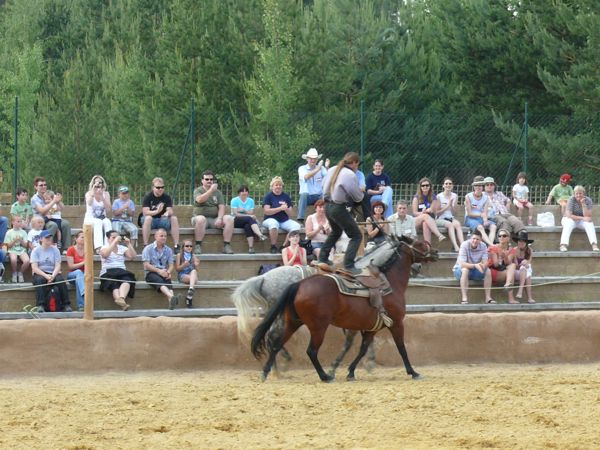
(124, 236)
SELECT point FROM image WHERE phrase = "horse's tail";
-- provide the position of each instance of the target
(248, 300)
(259, 339)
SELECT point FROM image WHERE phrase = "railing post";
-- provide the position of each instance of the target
(526, 126)
(193, 142)
(16, 147)
(88, 250)
(362, 130)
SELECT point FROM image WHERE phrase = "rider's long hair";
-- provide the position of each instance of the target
(349, 158)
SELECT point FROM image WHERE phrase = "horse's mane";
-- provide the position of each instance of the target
(384, 254)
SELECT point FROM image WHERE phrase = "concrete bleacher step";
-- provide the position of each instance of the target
(420, 291)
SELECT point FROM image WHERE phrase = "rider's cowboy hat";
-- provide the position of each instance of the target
(312, 153)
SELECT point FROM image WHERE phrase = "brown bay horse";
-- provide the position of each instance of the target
(317, 303)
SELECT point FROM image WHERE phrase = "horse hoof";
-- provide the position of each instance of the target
(327, 379)
(350, 378)
(416, 376)
(263, 377)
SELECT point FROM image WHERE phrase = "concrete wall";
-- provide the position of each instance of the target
(59, 346)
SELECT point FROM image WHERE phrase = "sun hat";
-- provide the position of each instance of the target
(523, 236)
(489, 180)
(123, 189)
(478, 181)
(312, 153)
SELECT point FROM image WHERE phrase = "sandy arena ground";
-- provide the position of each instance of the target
(454, 406)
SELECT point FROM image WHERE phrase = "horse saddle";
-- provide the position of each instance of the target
(360, 285)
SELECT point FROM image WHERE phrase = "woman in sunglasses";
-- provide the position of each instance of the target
(187, 265)
(502, 264)
(424, 207)
(445, 214)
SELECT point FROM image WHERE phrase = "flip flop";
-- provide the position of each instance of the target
(514, 302)
(531, 301)
(464, 302)
(491, 301)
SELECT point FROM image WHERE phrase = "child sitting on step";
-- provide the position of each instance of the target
(187, 265)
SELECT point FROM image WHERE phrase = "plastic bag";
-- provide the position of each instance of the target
(545, 219)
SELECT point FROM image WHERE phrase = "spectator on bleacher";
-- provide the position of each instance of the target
(157, 210)
(114, 276)
(499, 212)
(501, 260)
(520, 194)
(54, 215)
(472, 264)
(209, 212)
(447, 201)
(523, 258)
(159, 262)
(362, 209)
(578, 214)
(16, 244)
(424, 207)
(76, 265)
(97, 206)
(45, 268)
(310, 179)
(37, 226)
(341, 188)
(379, 187)
(377, 228)
(242, 211)
(42, 208)
(277, 207)
(3, 226)
(123, 210)
(187, 265)
(401, 223)
(22, 208)
(477, 205)
(317, 227)
(293, 254)
(561, 192)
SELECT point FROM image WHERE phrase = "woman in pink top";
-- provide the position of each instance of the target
(75, 262)
(294, 255)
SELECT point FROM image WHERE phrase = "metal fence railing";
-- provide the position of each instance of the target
(143, 144)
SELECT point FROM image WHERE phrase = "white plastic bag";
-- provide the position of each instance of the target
(545, 219)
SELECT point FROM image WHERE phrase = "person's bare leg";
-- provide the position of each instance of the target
(175, 229)
(199, 227)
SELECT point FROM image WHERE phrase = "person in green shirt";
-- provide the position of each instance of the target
(561, 193)
(22, 208)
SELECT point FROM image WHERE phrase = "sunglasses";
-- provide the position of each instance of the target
(502, 235)
(159, 187)
(209, 179)
(425, 185)
(186, 245)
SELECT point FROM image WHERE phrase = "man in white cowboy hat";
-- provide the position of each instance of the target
(499, 211)
(310, 177)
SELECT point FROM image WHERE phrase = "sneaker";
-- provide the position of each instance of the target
(20, 277)
(189, 298)
(14, 278)
(227, 249)
(198, 249)
(80, 308)
(40, 309)
(68, 308)
(1, 270)
(251, 250)
(174, 301)
(177, 249)
(274, 249)
(563, 248)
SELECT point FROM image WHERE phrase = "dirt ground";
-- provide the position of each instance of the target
(454, 406)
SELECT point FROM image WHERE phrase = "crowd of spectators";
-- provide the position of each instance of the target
(39, 235)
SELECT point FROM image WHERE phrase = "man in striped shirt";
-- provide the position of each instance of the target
(471, 264)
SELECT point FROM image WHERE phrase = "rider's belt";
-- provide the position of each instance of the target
(335, 203)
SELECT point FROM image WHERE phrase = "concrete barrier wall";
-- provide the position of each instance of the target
(36, 347)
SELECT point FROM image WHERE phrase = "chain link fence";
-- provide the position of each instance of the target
(181, 143)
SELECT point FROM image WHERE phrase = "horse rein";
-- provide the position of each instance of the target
(415, 252)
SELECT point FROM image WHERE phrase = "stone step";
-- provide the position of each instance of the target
(421, 291)
(216, 266)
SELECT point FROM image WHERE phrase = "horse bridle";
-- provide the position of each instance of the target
(414, 252)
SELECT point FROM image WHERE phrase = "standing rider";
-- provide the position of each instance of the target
(341, 187)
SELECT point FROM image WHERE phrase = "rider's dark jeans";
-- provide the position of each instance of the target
(340, 221)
